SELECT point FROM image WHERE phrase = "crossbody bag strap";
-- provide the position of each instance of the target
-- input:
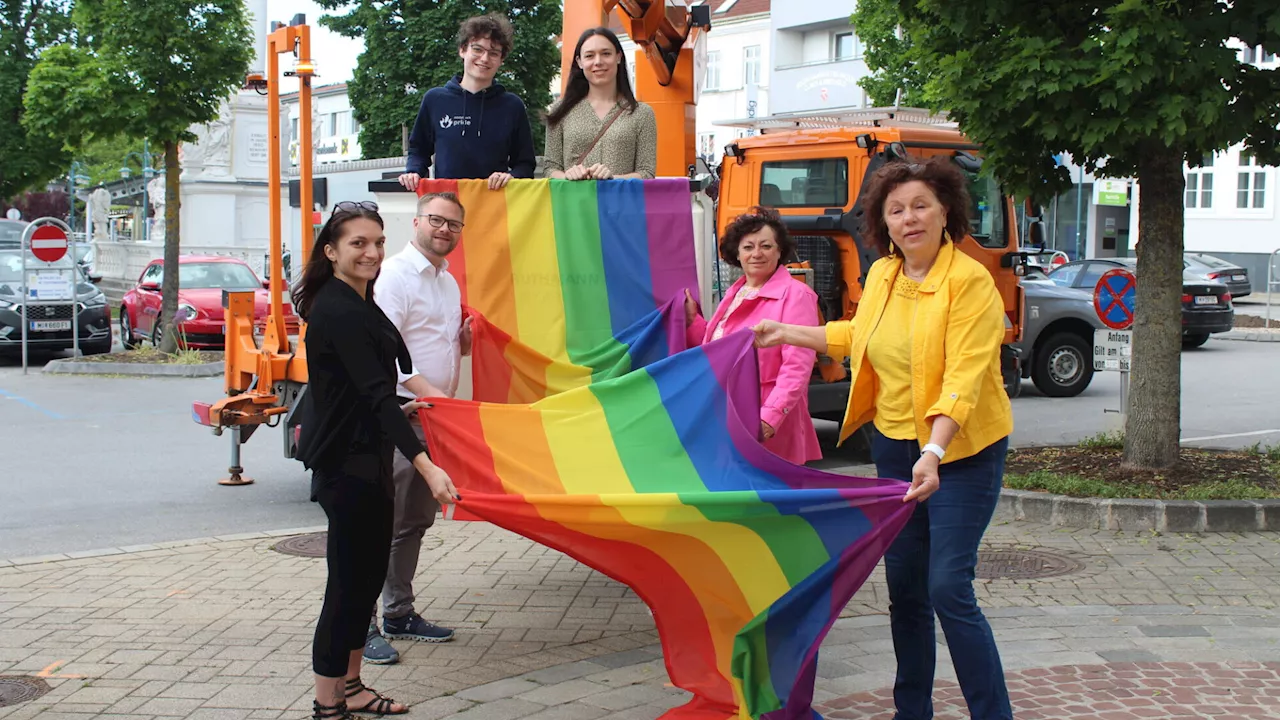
(603, 130)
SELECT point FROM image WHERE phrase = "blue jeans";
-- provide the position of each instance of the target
(930, 569)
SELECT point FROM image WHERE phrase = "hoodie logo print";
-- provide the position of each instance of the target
(447, 122)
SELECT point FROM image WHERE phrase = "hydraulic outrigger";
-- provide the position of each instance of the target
(264, 382)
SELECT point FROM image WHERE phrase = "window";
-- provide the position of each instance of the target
(713, 71)
(820, 183)
(355, 125)
(1251, 184)
(845, 46)
(751, 65)
(333, 125)
(1064, 275)
(707, 145)
(1092, 274)
(293, 128)
(1199, 191)
(1249, 56)
(986, 215)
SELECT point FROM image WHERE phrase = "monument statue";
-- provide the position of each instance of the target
(99, 206)
(155, 194)
(210, 154)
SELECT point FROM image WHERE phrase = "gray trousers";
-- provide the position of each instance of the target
(415, 512)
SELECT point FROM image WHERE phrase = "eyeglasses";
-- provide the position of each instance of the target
(478, 50)
(352, 206)
(440, 221)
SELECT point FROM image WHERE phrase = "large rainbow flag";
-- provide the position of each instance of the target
(571, 282)
(655, 478)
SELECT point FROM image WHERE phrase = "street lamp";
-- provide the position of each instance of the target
(145, 160)
(74, 178)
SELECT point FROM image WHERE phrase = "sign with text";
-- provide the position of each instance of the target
(1112, 350)
(1111, 192)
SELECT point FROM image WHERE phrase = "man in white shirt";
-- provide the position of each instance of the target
(422, 300)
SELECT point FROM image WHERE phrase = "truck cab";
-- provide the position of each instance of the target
(813, 170)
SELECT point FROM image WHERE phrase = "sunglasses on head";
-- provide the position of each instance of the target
(352, 206)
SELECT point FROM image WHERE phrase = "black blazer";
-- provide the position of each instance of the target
(354, 415)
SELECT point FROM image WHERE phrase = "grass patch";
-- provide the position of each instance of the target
(1095, 468)
(147, 355)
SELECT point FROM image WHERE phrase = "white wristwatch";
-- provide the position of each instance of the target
(935, 449)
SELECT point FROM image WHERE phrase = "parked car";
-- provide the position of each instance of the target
(1057, 336)
(1044, 259)
(49, 321)
(11, 234)
(201, 280)
(1206, 304)
(1209, 267)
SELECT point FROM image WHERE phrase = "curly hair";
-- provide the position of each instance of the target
(943, 177)
(752, 221)
(492, 27)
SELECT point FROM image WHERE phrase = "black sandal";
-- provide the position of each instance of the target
(330, 712)
(380, 704)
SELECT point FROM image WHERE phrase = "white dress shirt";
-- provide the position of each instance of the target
(425, 305)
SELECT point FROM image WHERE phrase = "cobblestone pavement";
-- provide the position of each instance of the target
(220, 629)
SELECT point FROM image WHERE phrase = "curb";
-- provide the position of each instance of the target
(1250, 335)
(1128, 515)
(166, 545)
(72, 367)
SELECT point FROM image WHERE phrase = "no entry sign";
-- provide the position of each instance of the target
(49, 243)
(1115, 297)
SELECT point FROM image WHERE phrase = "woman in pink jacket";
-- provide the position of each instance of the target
(757, 242)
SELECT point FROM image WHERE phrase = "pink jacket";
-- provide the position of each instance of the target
(784, 371)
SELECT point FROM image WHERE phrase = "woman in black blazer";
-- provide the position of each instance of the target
(353, 427)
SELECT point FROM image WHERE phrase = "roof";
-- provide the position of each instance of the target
(736, 9)
(321, 91)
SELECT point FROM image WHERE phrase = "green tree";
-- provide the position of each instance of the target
(409, 48)
(26, 28)
(104, 156)
(887, 52)
(144, 68)
(1130, 88)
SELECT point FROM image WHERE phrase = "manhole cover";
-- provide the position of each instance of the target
(314, 545)
(16, 689)
(311, 545)
(1024, 564)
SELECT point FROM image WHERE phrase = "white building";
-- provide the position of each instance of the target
(737, 80)
(817, 57)
(335, 133)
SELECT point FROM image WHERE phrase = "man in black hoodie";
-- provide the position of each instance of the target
(472, 125)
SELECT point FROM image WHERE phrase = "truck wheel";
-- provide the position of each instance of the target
(1194, 340)
(1063, 365)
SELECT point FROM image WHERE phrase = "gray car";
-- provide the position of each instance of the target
(1057, 336)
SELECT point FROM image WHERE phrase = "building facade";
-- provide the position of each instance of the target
(335, 132)
(817, 57)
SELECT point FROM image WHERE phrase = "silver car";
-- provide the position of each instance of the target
(1057, 336)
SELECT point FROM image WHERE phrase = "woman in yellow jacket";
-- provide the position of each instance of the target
(924, 358)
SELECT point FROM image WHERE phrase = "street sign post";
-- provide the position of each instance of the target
(1115, 300)
(46, 239)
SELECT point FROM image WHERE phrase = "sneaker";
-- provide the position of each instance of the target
(413, 627)
(377, 651)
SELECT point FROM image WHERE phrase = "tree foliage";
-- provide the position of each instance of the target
(27, 27)
(886, 50)
(142, 68)
(410, 47)
(1129, 88)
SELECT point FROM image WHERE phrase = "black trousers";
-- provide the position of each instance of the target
(361, 515)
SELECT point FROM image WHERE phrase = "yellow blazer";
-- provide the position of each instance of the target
(955, 352)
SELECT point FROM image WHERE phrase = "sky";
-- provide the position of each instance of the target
(334, 55)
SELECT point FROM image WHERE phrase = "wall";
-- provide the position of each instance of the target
(798, 13)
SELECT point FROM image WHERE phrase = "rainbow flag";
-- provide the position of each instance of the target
(655, 478)
(571, 282)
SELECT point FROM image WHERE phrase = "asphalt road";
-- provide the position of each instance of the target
(95, 462)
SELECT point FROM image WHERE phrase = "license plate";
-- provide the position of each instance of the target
(1206, 300)
(44, 325)
(1239, 278)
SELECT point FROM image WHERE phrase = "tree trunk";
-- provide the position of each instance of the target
(1153, 425)
(172, 249)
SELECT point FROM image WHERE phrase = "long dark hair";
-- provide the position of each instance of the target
(319, 269)
(577, 88)
(943, 177)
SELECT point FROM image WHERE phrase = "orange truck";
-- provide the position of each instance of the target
(813, 170)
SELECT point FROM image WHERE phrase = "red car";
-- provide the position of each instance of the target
(201, 280)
